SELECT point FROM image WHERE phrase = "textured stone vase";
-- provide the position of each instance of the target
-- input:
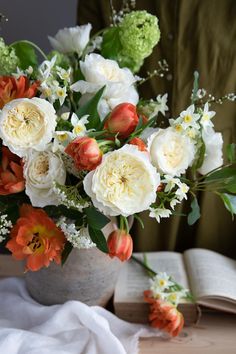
(88, 276)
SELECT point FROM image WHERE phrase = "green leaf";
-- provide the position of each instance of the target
(222, 173)
(90, 108)
(225, 179)
(99, 239)
(67, 250)
(64, 125)
(229, 202)
(96, 219)
(26, 54)
(111, 45)
(194, 215)
(201, 156)
(231, 152)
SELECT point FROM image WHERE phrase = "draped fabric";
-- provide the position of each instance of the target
(195, 35)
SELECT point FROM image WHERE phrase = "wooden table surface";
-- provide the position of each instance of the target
(215, 333)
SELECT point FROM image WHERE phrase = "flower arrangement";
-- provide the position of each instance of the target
(79, 146)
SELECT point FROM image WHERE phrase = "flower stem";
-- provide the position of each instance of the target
(33, 45)
(143, 265)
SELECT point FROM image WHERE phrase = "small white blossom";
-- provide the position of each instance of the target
(182, 191)
(78, 237)
(159, 213)
(162, 103)
(175, 297)
(64, 74)
(5, 226)
(170, 181)
(159, 283)
(206, 117)
(189, 118)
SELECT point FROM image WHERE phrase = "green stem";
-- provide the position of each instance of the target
(33, 45)
(143, 265)
(91, 40)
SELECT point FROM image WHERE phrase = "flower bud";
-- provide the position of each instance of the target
(85, 153)
(120, 244)
(123, 120)
(139, 143)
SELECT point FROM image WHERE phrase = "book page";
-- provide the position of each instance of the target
(133, 279)
(211, 274)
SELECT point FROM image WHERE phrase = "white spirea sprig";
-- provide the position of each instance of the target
(77, 236)
(5, 226)
(70, 197)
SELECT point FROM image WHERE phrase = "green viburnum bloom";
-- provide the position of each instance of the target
(8, 59)
(61, 60)
(139, 33)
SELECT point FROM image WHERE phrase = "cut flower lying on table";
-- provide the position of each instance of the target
(79, 145)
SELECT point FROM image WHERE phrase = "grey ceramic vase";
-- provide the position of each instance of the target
(88, 276)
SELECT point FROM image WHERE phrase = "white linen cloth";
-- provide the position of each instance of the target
(27, 327)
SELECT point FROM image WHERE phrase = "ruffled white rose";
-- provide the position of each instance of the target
(27, 123)
(124, 183)
(99, 72)
(73, 39)
(41, 169)
(171, 152)
(213, 154)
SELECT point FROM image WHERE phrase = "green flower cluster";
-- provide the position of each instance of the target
(139, 33)
(61, 60)
(8, 59)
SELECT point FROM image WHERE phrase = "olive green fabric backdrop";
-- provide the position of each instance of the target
(195, 35)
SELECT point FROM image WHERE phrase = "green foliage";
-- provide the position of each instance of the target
(194, 214)
(26, 54)
(96, 219)
(66, 251)
(64, 125)
(223, 179)
(90, 108)
(195, 86)
(99, 239)
(229, 202)
(231, 153)
(111, 45)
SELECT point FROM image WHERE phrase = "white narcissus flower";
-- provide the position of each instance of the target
(159, 213)
(213, 155)
(124, 183)
(41, 170)
(99, 72)
(27, 124)
(171, 152)
(73, 39)
(206, 117)
(189, 118)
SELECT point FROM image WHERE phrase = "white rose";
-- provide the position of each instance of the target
(213, 154)
(41, 169)
(99, 72)
(124, 183)
(171, 152)
(27, 123)
(73, 39)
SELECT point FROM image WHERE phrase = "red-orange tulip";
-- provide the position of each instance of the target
(123, 120)
(120, 244)
(85, 153)
(12, 88)
(139, 143)
(164, 315)
(11, 173)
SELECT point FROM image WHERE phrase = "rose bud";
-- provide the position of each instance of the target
(123, 120)
(139, 143)
(85, 153)
(120, 244)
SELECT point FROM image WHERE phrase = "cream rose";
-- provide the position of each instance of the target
(124, 183)
(213, 155)
(99, 72)
(41, 169)
(73, 39)
(171, 152)
(27, 123)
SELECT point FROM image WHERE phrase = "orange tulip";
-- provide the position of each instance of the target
(120, 244)
(36, 238)
(12, 88)
(85, 153)
(123, 120)
(139, 143)
(164, 315)
(11, 173)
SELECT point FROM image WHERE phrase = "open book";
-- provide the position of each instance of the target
(210, 277)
